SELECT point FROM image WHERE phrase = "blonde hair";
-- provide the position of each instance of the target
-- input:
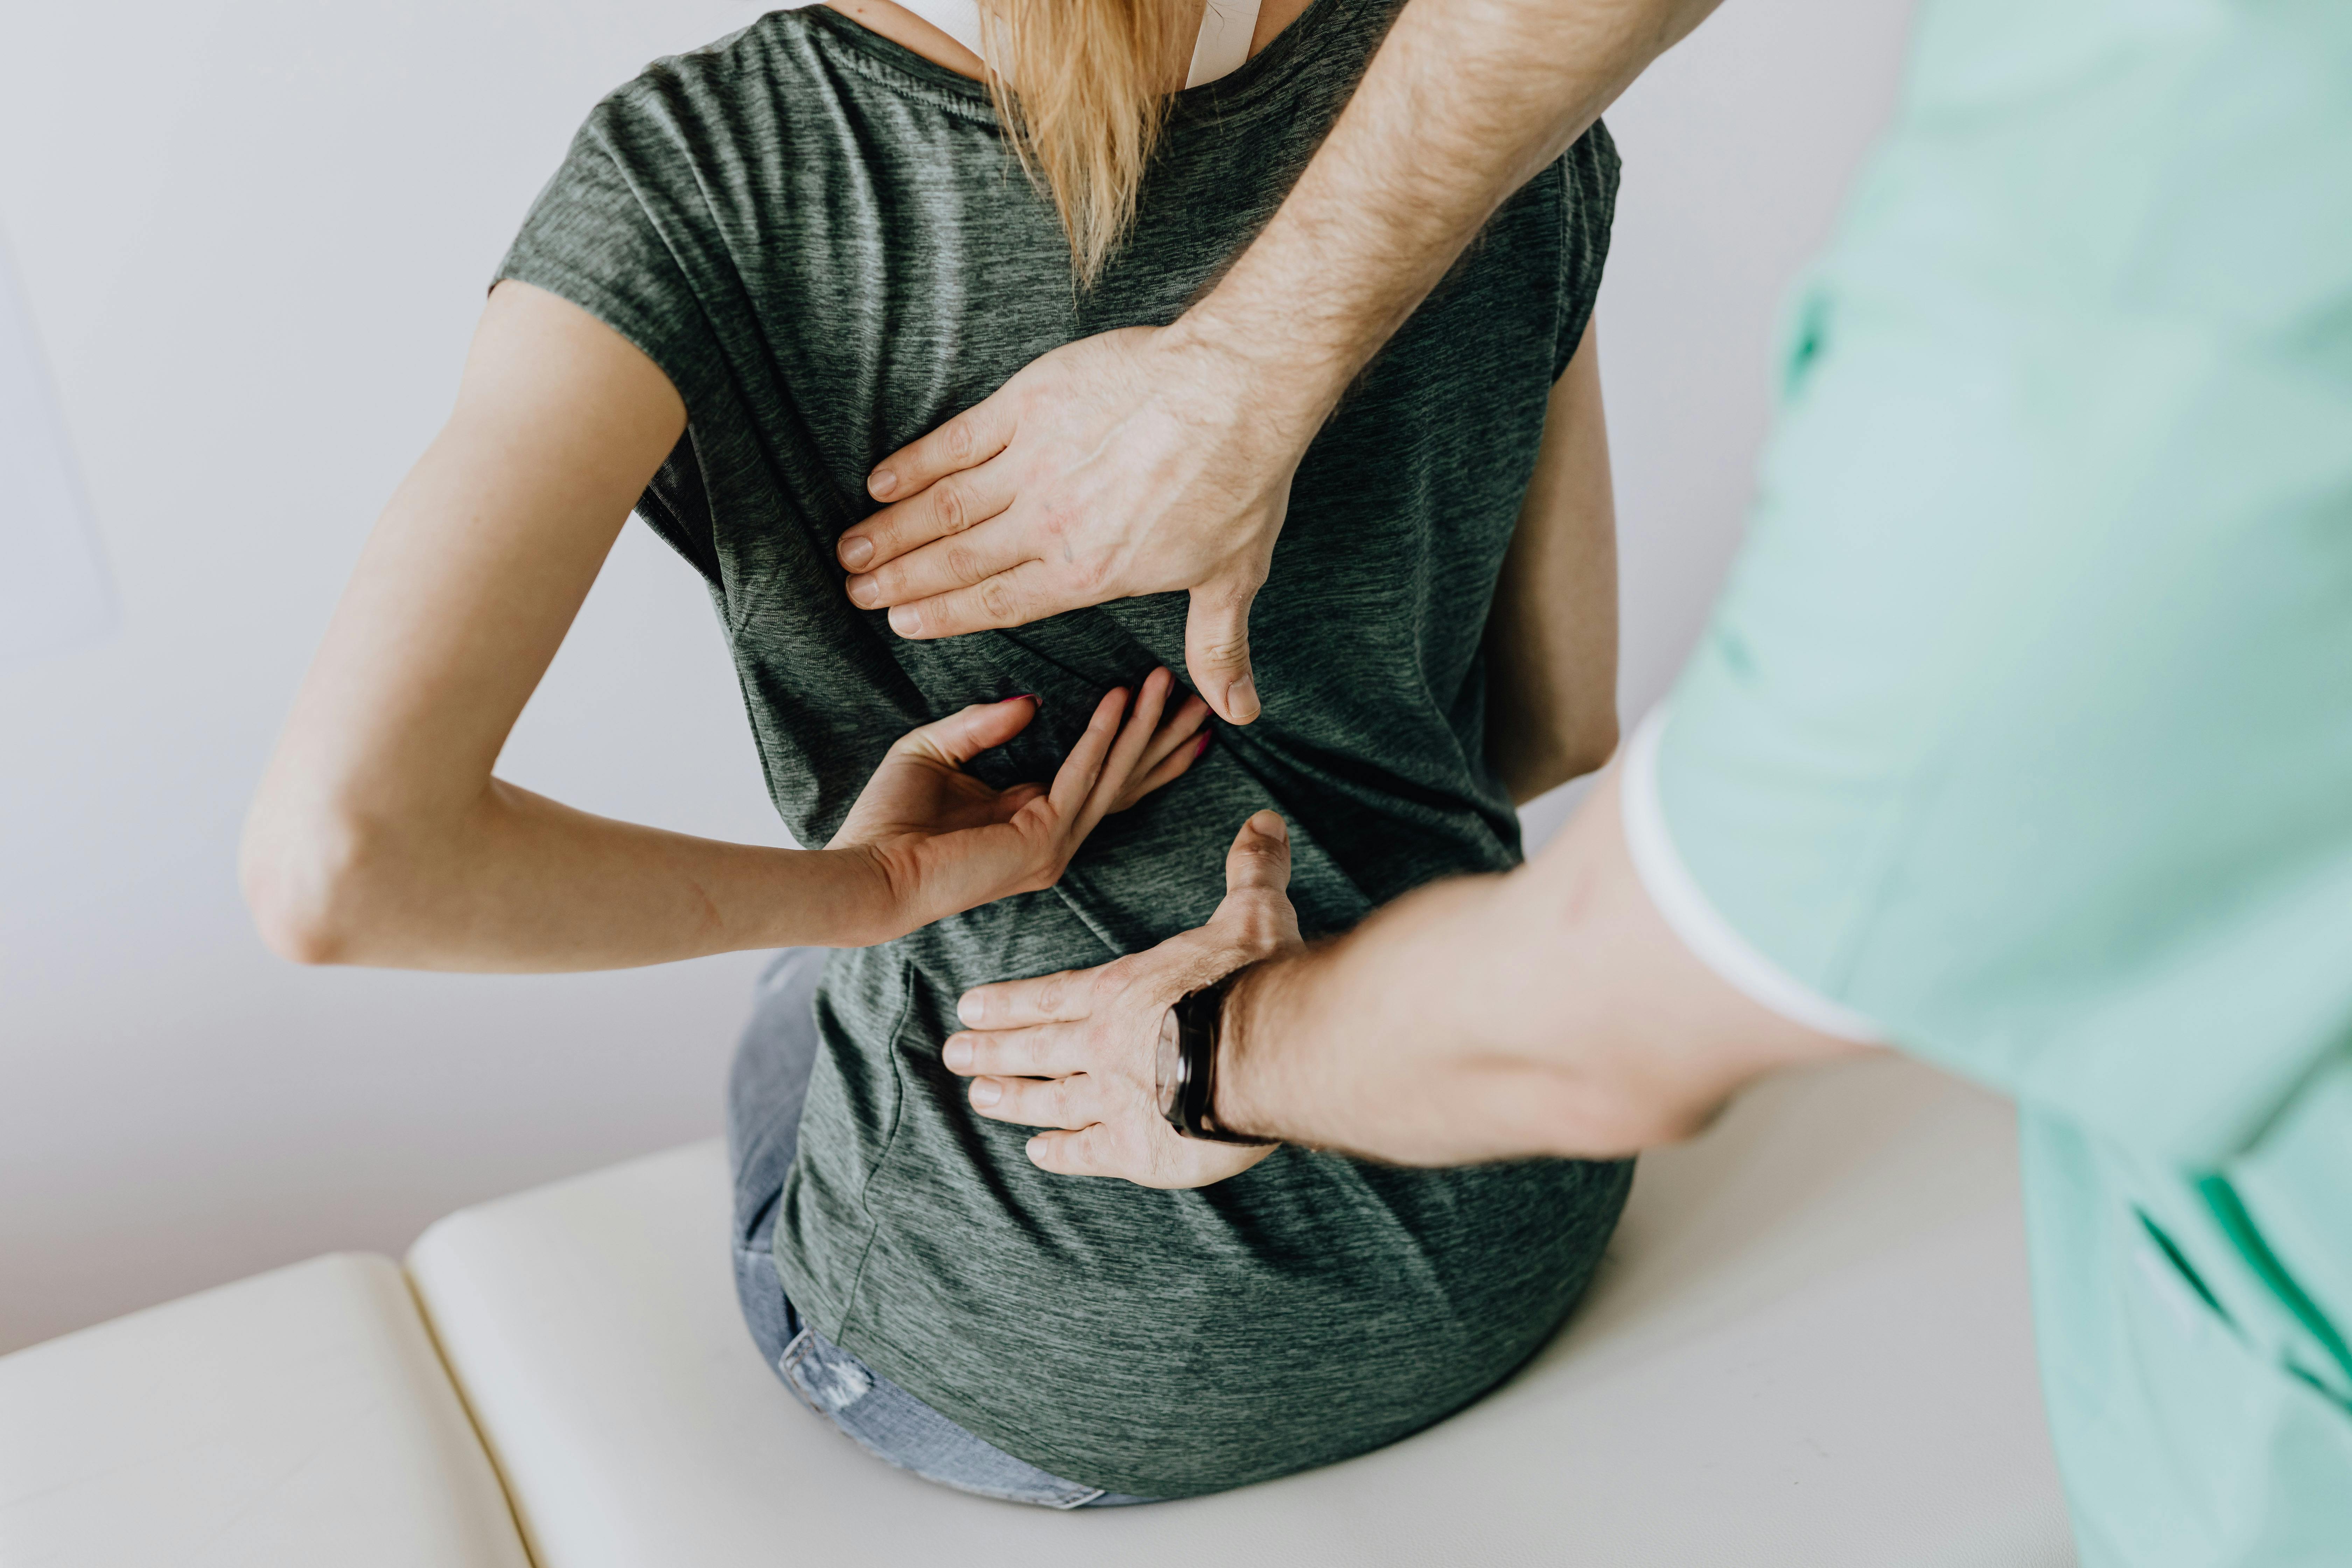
(1081, 87)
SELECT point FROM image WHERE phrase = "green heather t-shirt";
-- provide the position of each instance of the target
(826, 244)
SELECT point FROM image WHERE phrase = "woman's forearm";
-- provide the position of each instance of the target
(1465, 101)
(517, 882)
(379, 834)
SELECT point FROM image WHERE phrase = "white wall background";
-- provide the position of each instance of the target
(254, 234)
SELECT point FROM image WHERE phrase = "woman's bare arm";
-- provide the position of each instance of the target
(380, 834)
(1551, 637)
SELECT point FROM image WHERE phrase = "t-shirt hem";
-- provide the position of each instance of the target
(614, 311)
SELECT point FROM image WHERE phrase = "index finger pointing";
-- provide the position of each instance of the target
(971, 438)
(1018, 1003)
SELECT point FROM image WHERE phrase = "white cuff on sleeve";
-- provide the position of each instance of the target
(1705, 933)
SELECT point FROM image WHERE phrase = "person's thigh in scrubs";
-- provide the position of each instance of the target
(2024, 731)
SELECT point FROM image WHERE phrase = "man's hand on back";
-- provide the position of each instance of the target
(1077, 1051)
(1146, 460)
(1158, 458)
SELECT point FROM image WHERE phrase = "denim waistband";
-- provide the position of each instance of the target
(768, 1081)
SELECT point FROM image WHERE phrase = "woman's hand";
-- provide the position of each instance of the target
(1077, 1051)
(940, 841)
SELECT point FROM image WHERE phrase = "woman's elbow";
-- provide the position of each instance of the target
(1571, 753)
(1588, 745)
(307, 880)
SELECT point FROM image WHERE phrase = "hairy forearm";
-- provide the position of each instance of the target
(1395, 1042)
(515, 882)
(1547, 1011)
(1464, 102)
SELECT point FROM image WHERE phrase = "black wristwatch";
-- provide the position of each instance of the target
(1185, 1072)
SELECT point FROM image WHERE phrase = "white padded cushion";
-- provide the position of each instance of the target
(1809, 1347)
(299, 1417)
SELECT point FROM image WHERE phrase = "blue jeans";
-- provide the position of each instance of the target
(764, 1095)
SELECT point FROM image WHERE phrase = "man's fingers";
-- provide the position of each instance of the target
(1260, 858)
(935, 541)
(1013, 597)
(1216, 647)
(1066, 998)
(1041, 1050)
(1256, 916)
(968, 440)
(1086, 1152)
(1038, 1101)
(965, 733)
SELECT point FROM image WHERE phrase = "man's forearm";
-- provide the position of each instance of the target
(1464, 102)
(1150, 460)
(1548, 1011)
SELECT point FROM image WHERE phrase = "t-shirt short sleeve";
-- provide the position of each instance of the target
(1589, 170)
(604, 231)
(2023, 729)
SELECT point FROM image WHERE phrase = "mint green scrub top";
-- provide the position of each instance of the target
(2023, 735)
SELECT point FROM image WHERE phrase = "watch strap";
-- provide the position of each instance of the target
(1199, 1028)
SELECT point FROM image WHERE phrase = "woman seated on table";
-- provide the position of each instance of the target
(763, 265)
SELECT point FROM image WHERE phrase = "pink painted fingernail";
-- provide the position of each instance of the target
(1202, 748)
(1025, 697)
(856, 550)
(881, 483)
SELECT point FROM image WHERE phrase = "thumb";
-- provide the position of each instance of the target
(1260, 858)
(965, 733)
(1216, 647)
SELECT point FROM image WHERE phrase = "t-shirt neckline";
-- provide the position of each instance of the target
(1239, 92)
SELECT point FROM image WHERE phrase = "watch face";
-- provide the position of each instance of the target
(1168, 1061)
